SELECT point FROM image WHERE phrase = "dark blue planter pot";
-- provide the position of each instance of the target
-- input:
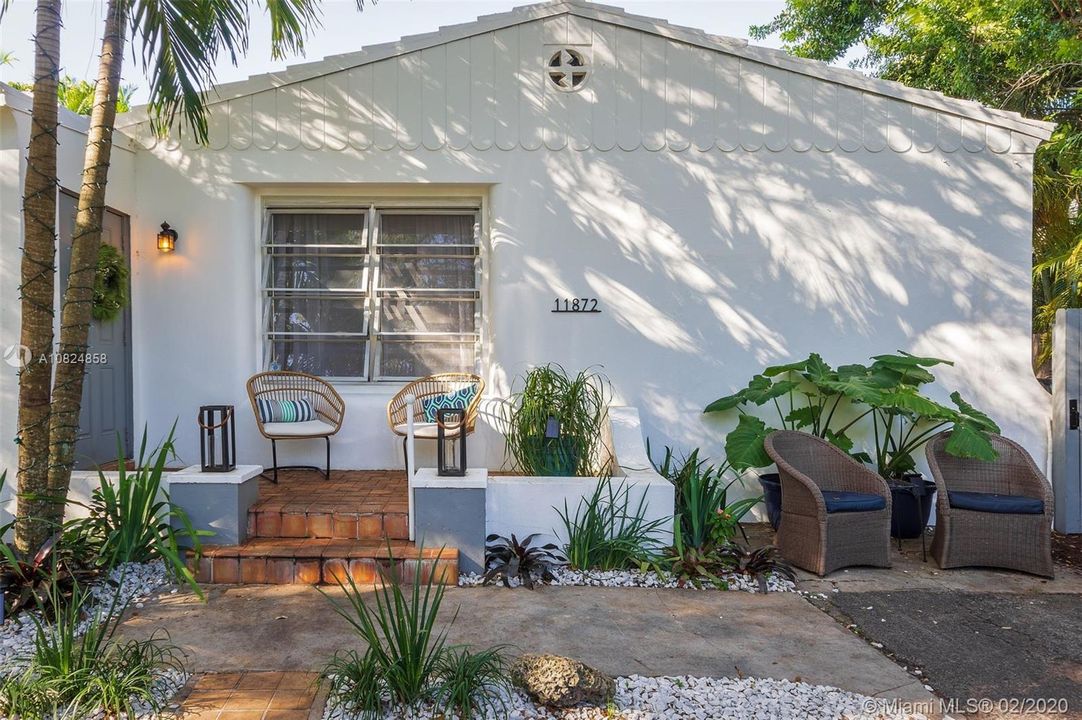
(911, 505)
(560, 457)
(771, 483)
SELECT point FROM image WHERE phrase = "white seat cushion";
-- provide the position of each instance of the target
(308, 427)
(423, 430)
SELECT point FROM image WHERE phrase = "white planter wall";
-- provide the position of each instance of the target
(527, 505)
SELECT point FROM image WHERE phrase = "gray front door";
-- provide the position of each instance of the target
(107, 407)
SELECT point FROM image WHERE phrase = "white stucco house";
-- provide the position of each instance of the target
(727, 206)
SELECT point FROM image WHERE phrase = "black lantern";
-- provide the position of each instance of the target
(451, 430)
(217, 438)
(167, 239)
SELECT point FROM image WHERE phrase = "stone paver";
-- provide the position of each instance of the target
(250, 696)
(620, 631)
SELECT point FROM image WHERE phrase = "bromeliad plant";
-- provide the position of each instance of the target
(758, 564)
(697, 566)
(131, 519)
(811, 396)
(555, 423)
(50, 574)
(507, 559)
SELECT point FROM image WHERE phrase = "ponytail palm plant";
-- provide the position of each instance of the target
(556, 422)
(806, 395)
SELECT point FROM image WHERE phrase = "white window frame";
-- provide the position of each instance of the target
(370, 290)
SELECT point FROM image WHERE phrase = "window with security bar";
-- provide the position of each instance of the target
(370, 293)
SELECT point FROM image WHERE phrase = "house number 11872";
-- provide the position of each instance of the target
(575, 305)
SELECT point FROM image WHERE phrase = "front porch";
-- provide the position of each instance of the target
(308, 530)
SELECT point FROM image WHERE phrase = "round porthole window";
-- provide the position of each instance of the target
(567, 70)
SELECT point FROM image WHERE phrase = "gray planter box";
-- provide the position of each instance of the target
(451, 511)
(217, 502)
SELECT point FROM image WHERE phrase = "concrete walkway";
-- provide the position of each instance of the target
(620, 631)
(980, 645)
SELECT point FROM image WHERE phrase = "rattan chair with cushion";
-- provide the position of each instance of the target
(428, 391)
(835, 512)
(991, 514)
(309, 406)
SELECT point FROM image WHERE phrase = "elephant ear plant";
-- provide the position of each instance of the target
(556, 421)
(806, 395)
(903, 419)
(811, 396)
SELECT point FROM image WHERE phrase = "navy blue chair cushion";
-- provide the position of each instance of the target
(839, 501)
(993, 503)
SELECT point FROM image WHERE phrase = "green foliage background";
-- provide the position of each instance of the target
(78, 95)
(1021, 55)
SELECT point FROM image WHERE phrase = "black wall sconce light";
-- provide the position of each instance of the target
(167, 239)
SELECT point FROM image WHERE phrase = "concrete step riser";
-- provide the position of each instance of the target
(345, 526)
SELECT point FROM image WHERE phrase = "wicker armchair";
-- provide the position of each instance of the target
(1012, 529)
(431, 386)
(284, 385)
(834, 511)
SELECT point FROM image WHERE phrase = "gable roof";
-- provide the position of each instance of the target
(740, 48)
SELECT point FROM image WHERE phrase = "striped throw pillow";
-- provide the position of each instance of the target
(459, 400)
(277, 411)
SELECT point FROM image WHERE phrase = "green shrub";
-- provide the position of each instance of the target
(76, 668)
(355, 684)
(469, 683)
(130, 519)
(407, 661)
(725, 523)
(553, 403)
(701, 494)
(607, 532)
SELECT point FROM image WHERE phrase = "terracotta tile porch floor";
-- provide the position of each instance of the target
(353, 504)
(250, 696)
(308, 530)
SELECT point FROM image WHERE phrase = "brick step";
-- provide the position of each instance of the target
(313, 561)
(266, 520)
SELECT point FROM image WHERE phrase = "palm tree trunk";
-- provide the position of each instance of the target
(36, 288)
(75, 314)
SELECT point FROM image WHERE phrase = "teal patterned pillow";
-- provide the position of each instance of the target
(459, 399)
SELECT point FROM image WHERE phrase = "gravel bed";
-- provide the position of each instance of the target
(137, 582)
(687, 698)
(635, 578)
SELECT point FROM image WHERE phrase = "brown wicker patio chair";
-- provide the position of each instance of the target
(426, 387)
(834, 511)
(285, 385)
(991, 514)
